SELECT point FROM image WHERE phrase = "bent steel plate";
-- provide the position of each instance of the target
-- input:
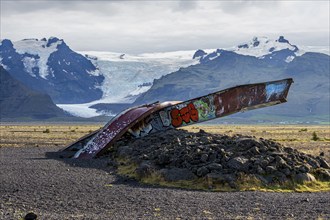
(214, 105)
(116, 128)
(81, 142)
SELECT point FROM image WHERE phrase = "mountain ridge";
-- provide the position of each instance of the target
(19, 101)
(50, 66)
(307, 97)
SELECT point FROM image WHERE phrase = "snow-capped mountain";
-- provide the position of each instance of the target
(128, 76)
(50, 66)
(267, 60)
(262, 46)
(78, 81)
(280, 50)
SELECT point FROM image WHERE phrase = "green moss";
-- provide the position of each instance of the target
(316, 186)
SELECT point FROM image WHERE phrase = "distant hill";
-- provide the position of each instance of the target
(19, 101)
(50, 66)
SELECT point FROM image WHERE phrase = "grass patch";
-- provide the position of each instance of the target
(315, 137)
(317, 186)
(156, 179)
(46, 131)
(243, 183)
(126, 167)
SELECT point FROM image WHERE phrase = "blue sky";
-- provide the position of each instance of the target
(153, 26)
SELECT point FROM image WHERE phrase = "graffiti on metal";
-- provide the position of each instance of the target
(114, 129)
(215, 105)
(199, 110)
(111, 132)
(184, 115)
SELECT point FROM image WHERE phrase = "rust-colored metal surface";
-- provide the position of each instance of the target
(113, 130)
(247, 97)
(215, 105)
(147, 119)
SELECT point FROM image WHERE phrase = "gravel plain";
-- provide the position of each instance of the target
(36, 179)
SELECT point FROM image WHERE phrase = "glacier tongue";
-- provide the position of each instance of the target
(80, 110)
(128, 76)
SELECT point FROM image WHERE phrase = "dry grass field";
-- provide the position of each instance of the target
(42, 135)
(311, 139)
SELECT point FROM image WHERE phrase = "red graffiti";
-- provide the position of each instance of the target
(184, 115)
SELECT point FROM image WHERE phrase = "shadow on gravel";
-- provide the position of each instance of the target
(105, 165)
(100, 163)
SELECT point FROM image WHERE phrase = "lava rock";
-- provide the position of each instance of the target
(304, 177)
(145, 169)
(214, 167)
(280, 161)
(260, 171)
(324, 163)
(323, 174)
(124, 151)
(314, 163)
(204, 158)
(182, 155)
(238, 163)
(214, 178)
(202, 171)
(255, 150)
(271, 169)
(164, 158)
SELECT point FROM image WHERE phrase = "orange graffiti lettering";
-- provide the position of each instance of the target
(193, 112)
(176, 118)
(184, 115)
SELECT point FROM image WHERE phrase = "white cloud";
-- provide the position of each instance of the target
(145, 26)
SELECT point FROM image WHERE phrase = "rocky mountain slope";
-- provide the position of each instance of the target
(309, 95)
(19, 101)
(50, 66)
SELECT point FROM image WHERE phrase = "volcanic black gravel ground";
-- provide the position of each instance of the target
(33, 180)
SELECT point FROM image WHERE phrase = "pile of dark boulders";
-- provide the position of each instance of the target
(182, 155)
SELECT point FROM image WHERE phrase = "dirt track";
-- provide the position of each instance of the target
(33, 180)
